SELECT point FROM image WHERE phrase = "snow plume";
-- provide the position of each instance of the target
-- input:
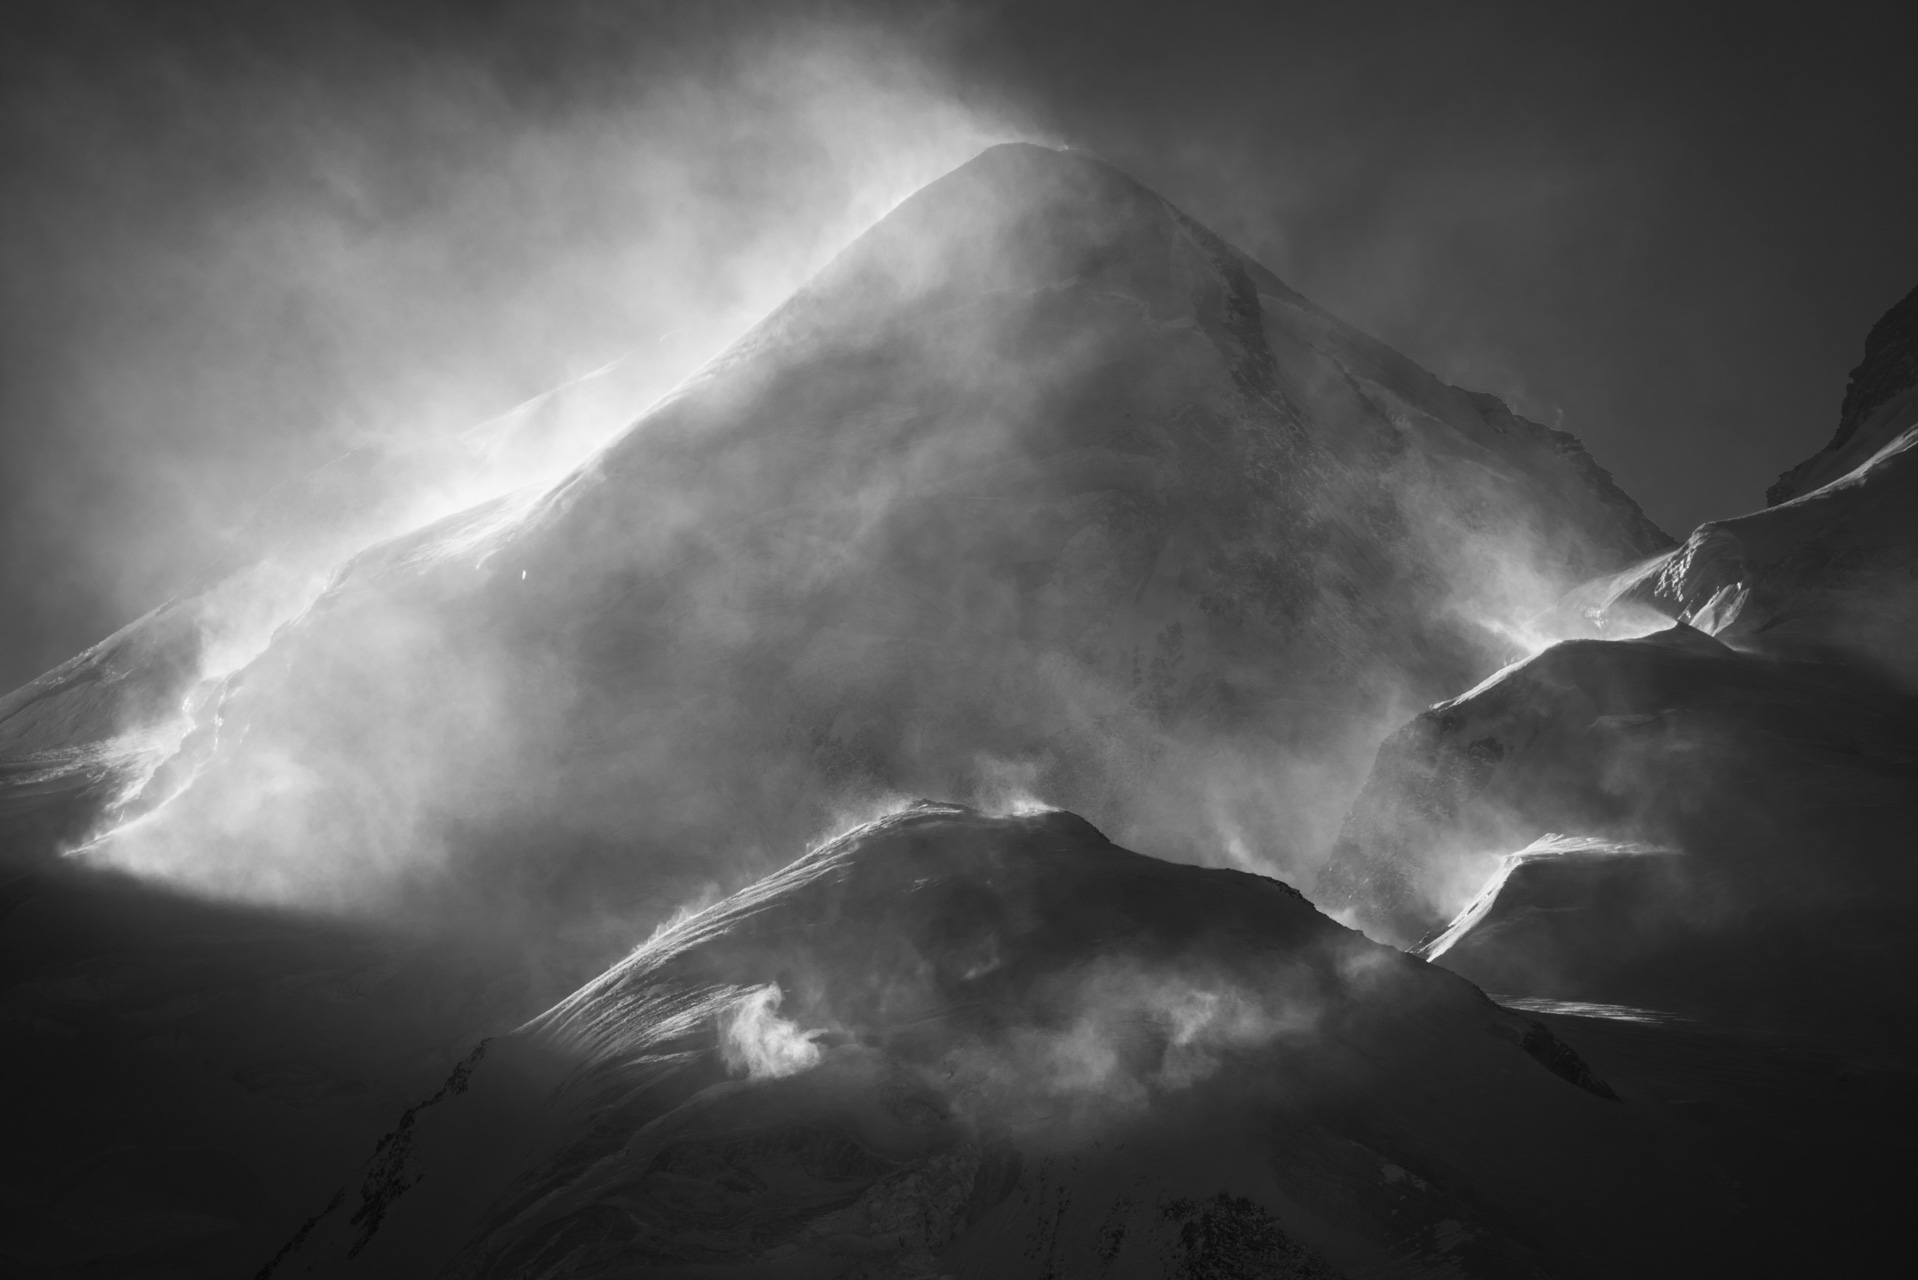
(1202, 1018)
(458, 235)
(858, 811)
(302, 250)
(1006, 787)
(756, 1041)
(1127, 1033)
(683, 915)
(1156, 562)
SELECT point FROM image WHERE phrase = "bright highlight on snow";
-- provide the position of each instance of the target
(756, 1041)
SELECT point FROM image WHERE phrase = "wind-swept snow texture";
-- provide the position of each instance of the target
(1743, 786)
(1830, 570)
(1030, 1052)
(1040, 491)
(120, 729)
(1767, 737)
(1523, 886)
(1786, 792)
(1038, 488)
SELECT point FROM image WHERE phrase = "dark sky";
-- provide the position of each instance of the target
(236, 239)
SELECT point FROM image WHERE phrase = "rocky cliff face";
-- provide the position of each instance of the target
(1878, 404)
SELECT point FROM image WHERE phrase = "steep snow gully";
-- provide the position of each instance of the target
(436, 913)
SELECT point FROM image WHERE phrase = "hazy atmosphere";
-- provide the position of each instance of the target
(956, 641)
(241, 240)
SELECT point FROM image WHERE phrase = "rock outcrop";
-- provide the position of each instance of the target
(1829, 571)
(1881, 400)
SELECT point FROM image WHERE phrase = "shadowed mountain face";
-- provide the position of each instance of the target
(1763, 809)
(1690, 851)
(947, 1044)
(1038, 487)
(191, 1078)
(1881, 399)
(1773, 762)
(1829, 572)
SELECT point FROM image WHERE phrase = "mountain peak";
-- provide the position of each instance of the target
(1024, 177)
(1038, 473)
(1015, 216)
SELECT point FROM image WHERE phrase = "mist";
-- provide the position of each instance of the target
(286, 266)
(241, 240)
(951, 639)
(873, 552)
(647, 494)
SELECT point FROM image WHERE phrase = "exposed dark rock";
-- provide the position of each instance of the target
(1563, 1061)
(1231, 1238)
(1889, 369)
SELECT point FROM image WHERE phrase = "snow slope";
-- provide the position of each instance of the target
(1785, 791)
(117, 729)
(1766, 738)
(1038, 487)
(947, 1044)
(1830, 570)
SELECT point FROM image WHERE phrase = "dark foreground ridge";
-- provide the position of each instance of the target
(954, 1044)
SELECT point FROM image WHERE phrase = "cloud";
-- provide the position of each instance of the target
(756, 1041)
(243, 250)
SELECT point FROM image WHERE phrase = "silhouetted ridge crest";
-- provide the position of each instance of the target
(1890, 368)
(1890, 365)
(1018, 218)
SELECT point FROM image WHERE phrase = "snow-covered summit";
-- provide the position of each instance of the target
(1039, 483)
